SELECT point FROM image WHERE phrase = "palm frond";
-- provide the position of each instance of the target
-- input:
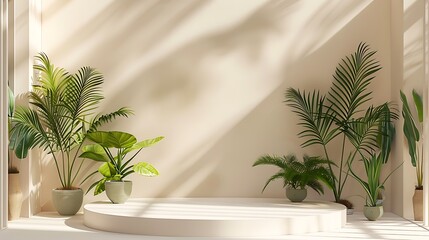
(316, 119)
(83, 92)
(351, 79)
(99, 120)
(273, 160)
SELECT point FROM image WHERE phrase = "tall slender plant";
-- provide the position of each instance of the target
(62, 112)
(412, 128)
(341, 114)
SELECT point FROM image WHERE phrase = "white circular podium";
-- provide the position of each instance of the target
(215, 217)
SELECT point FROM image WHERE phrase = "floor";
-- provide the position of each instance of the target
(51, 226)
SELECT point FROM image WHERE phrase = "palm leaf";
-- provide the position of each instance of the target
(316, 119)
(99, 120)
(271, 160)
(349, 87)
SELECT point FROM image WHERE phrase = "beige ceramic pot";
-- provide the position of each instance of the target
(296, 195)
(418, 205)
(373, 213)
(67, 202)
(14, 196)
(118, 191)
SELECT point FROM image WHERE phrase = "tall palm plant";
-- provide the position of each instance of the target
(62, 112)
(341, 114)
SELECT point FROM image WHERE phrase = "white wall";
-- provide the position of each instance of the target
(210, 76)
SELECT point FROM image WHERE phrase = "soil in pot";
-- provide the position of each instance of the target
(348, 205)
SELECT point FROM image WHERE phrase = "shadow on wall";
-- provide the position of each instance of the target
(217, 97)
(413, 48)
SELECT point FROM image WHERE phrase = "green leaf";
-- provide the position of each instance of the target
(143, 144)
(410, 130)
(107, 169)
(99, 187)
(145, 169)
(113, 139)
(418, 102)
(94, 152)
(11, 103)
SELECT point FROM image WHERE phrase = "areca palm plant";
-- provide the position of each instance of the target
(63, 111)
(296, 174)
(342, 114)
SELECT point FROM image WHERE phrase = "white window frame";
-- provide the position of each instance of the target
(3, 111)
(426, 122)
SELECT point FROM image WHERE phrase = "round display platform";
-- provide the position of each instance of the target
(215, 217)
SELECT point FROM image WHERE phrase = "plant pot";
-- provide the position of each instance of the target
(118, 191)
(296, 195)
(418, 205)
(14, 196)
(67, 202)
(373, 213)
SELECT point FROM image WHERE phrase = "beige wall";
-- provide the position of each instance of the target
(210, 77)
(407, 74)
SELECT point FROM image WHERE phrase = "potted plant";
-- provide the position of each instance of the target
(297, 175)
(112, 148)
(340, 115)
(62, 112)
(412, 127)
(373, 185)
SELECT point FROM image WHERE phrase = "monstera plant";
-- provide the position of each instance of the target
(117, 150)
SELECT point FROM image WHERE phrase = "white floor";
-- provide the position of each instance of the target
(48, 226)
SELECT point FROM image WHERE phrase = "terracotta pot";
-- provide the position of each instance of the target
(118, 191)
(373, 213)
(67, 202)
(418, 204)
(296, 195)
(14, 196)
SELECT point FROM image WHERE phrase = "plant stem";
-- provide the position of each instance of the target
(341, 167)
(334, 185)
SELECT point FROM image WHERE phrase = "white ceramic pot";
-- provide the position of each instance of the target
(118, 191)
(67, 202)
(14, 196)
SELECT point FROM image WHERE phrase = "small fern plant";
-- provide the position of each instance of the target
(311, 172)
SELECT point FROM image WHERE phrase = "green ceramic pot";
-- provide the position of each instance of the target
(373, 213)
(296, 195)
(118, 191)
(67, 202)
